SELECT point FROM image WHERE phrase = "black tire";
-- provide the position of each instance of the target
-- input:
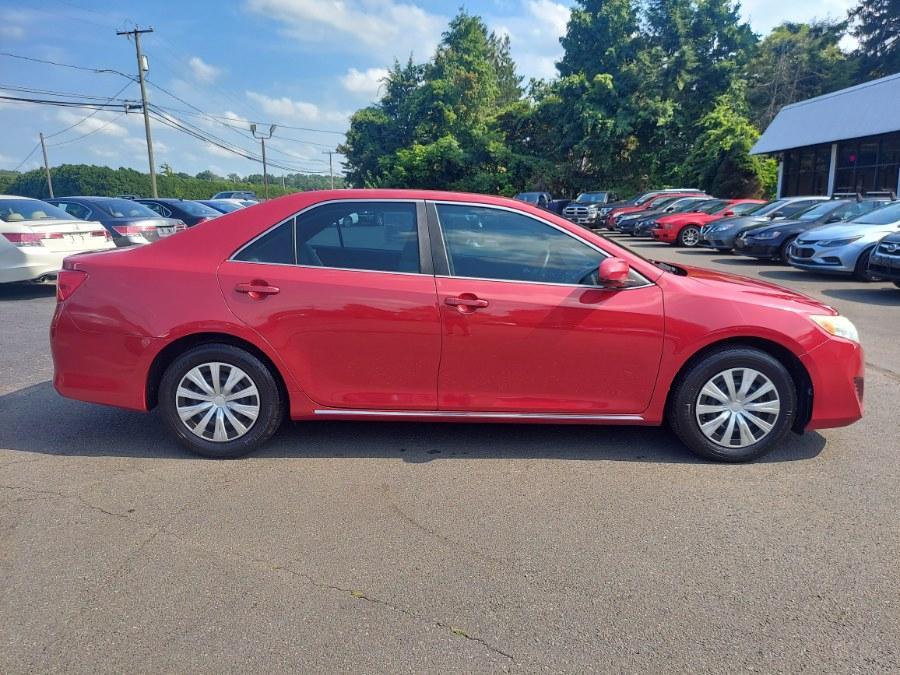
(783, 255)
(271, 403)
(693, 238)
(682, 415)
(897, 284)
(861, 271)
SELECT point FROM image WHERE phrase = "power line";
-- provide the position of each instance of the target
(28, 156)
(89, 133)
(85, 119)
(64, 65)
(72, 104)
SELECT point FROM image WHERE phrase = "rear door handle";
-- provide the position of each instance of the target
(257, 290)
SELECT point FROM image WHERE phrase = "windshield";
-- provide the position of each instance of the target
(819, 210)
(746, 208)
(125, 208)
(224, 207)
(713, 206)
(592, 197)
(20, 210)
(689, 204)
(531, 197)
(772, 206)
(883, 216)
(197, 209)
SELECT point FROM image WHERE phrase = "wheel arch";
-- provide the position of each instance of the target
(787, 358)
(171, 351)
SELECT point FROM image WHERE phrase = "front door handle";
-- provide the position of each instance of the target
(257, 290)
(467, 302)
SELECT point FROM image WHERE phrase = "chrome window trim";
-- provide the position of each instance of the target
(296, 215)
(599, 250)
(346, 412)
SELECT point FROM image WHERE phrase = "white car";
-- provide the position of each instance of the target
(35, 237)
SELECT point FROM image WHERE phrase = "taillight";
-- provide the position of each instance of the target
(101, 233)
(67, 282)
(30, 238)
(134, 229)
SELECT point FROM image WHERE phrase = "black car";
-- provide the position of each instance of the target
(192, 213)
(885, 259)
(772, 241)
(128, 222)
(221, 205)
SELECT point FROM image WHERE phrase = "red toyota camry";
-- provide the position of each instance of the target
(415, 305)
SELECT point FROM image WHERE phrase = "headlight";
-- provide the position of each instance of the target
(839, 242)
(765, 235)
(592, 209)
(840, 326)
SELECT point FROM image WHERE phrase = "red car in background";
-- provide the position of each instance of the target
(684, 228)
(609, 220)
(435, 306)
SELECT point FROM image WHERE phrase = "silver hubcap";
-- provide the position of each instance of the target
(690, 236)
(737, 407)
(217, 402)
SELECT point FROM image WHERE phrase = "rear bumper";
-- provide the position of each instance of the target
(109, 368)
(837, 371)
(28, 263)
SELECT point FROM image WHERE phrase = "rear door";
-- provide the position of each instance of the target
(345, 293)
(526, 327)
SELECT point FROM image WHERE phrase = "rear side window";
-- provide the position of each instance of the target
(275, 247)
(76, 210)
(378, 236)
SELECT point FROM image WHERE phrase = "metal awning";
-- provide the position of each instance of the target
(864, 110)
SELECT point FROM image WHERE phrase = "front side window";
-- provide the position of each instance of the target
(488, 243)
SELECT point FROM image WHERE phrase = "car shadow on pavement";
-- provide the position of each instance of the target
(877, 294)
(37, 419)
(11, 292)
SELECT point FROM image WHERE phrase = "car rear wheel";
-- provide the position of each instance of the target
(220, 401)
(689, 236)
(733, 405)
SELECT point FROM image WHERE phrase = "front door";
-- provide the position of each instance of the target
(527, 328)
(340, 294)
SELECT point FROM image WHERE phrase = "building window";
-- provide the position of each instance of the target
(806, 170)
(868, 164)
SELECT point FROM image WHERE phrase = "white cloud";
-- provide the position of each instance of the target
(534, 29)
(285, 108)
(366, 82)
(100, 123)
(12, 32)
(384, 28)
(216, 151)
(202, 71)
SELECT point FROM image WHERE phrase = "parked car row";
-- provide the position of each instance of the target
(36, 235)
(853, 235)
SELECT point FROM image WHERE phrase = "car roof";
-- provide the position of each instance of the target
(19, 197)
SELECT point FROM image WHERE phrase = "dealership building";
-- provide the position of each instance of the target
(846, 141)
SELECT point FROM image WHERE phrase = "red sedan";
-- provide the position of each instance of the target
(415, 305)
(656, 201)
(684, 228)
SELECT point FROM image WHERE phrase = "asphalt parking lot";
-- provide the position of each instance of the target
(401, 547)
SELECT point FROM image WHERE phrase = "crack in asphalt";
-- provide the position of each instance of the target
(887, 372)
(63, 495)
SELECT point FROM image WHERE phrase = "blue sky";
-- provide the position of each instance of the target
(306, 64)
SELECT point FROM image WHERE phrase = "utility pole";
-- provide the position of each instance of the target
(330, 153)
(142, 68)
(46, 164)
(263, 140)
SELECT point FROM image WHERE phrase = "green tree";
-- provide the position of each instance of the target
(796, 61)
(719, 161)
(877, 27)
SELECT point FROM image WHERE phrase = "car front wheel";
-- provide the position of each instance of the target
(733, 405)
(689, 237)
(220, 401)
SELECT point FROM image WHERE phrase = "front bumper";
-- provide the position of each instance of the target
(885, 265)
(757, 249)
(661, 234)
(837, 371)
(828, 260)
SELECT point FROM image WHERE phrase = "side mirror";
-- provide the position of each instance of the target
(727, 213)
(613, 271)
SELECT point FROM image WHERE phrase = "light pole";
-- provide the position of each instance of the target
(330, 154)
(263, 140)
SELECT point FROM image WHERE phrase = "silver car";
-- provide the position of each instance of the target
(844, 248)
(720, 234)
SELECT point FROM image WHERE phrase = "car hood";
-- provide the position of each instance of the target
(733, 286)
(847, 230)
(788, 226)
(737, 222)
